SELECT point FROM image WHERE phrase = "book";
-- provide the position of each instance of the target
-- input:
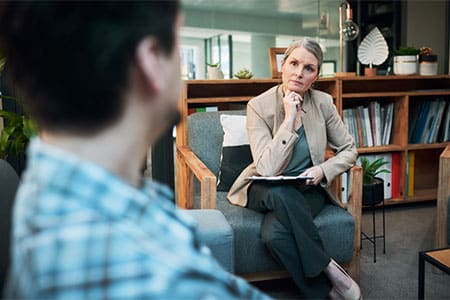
(192, 110)
(280, 178)
(344, 187)
(446, 129)
(387, 177)
(353, 126)
(367, 127)
(410, 168)
(378, 124)
(375, 122)
(431, 115)
(359, 129)
(433, 135)
(388, 123)
(413, 115)
(419, 126)
(349, 122)
(395, 175)
(372, 121)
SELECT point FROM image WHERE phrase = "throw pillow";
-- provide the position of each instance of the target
(236, 154)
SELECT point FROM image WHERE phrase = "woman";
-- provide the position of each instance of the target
(289, 127)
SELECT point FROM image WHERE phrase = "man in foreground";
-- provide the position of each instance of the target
(102, 82)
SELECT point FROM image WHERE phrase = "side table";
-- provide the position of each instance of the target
(439, 258)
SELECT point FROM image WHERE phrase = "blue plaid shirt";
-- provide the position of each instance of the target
(81, 232)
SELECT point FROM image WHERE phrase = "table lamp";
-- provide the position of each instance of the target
(348, 30)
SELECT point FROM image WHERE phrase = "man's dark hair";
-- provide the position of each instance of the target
(70, 60)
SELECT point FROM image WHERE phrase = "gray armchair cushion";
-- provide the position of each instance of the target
(9, 182)
(335, 225)
(215, 232)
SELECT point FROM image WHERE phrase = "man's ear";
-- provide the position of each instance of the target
(148, 61)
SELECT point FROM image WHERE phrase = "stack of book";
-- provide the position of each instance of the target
(370, 125)
(429, 122)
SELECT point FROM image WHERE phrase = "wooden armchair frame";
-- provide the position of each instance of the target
(442, 199)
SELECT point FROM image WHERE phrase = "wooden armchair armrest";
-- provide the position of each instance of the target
(189, 165)
(354, 207)
(443, 195)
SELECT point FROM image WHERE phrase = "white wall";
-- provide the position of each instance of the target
(426, 26)
(241, 56)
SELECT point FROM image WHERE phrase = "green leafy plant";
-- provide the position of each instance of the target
(2, 61)
(407, 51)
(244, 74)
(16, 133)
(372, 169)
(17, 129)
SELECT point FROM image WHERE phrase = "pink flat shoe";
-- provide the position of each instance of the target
(352, 293)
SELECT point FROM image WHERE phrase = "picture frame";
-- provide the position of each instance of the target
(328, 68)
(276, 56)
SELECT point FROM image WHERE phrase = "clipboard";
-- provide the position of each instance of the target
(280, 178)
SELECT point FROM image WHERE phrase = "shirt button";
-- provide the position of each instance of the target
(283, 142)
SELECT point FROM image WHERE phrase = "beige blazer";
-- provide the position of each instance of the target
(272, 146)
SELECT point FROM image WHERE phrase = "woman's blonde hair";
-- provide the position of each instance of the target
(311, 46)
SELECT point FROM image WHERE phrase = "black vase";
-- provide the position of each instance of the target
(373, 193)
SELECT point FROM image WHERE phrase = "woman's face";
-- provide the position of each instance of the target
(300, 70)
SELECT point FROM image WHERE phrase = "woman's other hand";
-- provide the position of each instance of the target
(316, 172)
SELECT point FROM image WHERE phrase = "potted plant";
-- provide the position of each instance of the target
(405, 61)
(16, 133)
(373, 186)
(244, 74)
(16, 130)
(214, 71)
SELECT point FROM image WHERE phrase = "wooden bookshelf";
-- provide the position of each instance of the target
(403, 91)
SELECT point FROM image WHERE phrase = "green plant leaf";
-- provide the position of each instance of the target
(372, 169)
(29, 127)
(2, 63)
(407, 51)
(16, 133)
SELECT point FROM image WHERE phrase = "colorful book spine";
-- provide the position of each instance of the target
(395, 175)
(411, 162)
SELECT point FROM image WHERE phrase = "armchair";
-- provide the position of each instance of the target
(443, 199)
(9, 182)
(200, 156)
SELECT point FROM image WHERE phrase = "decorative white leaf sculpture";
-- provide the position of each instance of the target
(373, 49)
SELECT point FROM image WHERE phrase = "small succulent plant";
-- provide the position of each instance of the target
(244, 74)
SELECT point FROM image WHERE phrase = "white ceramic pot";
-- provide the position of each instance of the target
(405, 64)
(214, 73)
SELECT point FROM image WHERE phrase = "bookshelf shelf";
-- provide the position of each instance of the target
(210, 101)
(378, 149)
(404, 93)
(371, 95)
(427, 146)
